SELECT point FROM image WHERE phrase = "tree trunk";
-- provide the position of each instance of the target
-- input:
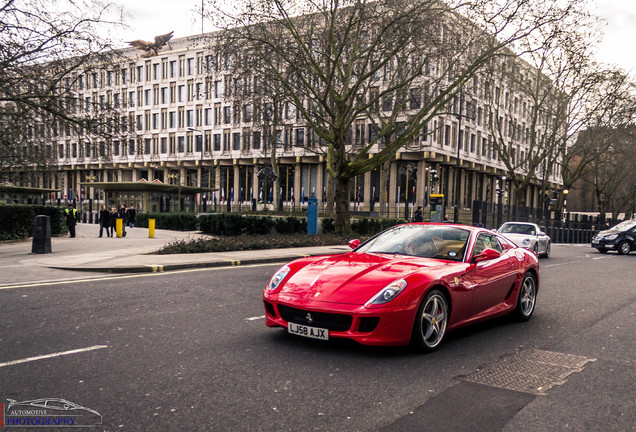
(384, 180)
(342, 222)
(329, 207)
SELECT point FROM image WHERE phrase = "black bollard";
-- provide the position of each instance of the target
(41, 235)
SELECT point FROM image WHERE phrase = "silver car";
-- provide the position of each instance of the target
(527, 235)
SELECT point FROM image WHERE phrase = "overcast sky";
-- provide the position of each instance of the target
(148, 18)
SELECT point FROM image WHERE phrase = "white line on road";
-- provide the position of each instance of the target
(560, 264)
(255, 318)
(45, 356)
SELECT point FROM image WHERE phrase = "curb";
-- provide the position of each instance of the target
(159, 268)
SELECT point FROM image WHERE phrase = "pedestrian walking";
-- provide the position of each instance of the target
(71, 219)
(131, 216)
(104, 221)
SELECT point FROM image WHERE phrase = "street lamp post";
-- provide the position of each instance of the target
(565, 203)
(500, 191)
(200, 144)
(177, 177)
(90, 179)
(457, 164)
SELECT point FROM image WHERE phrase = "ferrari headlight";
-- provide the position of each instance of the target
(611, 237)
(388, 293)
(275, 281)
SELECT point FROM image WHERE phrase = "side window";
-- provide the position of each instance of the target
(486, 241)
(495, 245)
(480, 244)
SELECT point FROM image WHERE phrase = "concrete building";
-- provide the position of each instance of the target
(171, 120)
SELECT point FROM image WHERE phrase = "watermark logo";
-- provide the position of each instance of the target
(48, 412)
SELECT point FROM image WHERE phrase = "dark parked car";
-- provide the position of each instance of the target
(621, 238)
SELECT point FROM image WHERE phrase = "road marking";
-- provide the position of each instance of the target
(255, 318)
(45, 356)
(560, 264)
(130, 276)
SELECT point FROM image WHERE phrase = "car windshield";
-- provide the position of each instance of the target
(518, 229)
(624, 226)
(426, 241)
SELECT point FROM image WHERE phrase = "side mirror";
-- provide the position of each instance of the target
(354, 243)
(487, 254)
(541, 233)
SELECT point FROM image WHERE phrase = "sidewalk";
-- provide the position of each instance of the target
(88, 254)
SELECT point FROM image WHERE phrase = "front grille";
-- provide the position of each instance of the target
(269, 308)
(367, 325)
(329, 321)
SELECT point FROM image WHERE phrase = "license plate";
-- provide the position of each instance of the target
(306, 331)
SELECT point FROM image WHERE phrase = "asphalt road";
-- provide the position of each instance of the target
(189, 351)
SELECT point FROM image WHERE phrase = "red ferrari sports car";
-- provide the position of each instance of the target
(409, 284)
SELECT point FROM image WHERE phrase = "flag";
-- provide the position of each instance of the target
(241, 196)
(292, 194)
(232, 195)
(358, 196)
(222, 194)
(302, 195)
(260, 195)
(271, 194)
(214, 197)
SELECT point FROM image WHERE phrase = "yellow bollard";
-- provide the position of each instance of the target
(151, 228)
(119, 227)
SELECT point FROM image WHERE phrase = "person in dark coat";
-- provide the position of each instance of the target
(131, 216)
(417, 216)
(123, 214)
(71, 219)
(104, 221)
(112, 222)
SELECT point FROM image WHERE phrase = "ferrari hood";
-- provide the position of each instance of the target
(351, 278)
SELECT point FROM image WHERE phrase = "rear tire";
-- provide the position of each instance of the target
(527, 298)
(430, 322)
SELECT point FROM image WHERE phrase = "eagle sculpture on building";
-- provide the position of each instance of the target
(151, 48)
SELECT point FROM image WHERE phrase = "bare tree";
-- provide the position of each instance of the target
(343, 61)
(45, 44)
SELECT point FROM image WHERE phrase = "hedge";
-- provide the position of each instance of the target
(373, 226)
(233, 224)
(168, 221)
(18, 219)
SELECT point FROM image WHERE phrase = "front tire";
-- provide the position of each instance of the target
(547, 251)
(624, 247)
(527, 298)
(430, 322)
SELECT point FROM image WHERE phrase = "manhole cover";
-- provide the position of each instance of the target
(529, 371)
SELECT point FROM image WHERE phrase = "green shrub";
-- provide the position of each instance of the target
(328, 225)
(250, 242)
(366, 226)
(18, 219)
(291, 225)
(168, 221)
(234, 224)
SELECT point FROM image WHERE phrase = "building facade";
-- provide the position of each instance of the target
(173, 118)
